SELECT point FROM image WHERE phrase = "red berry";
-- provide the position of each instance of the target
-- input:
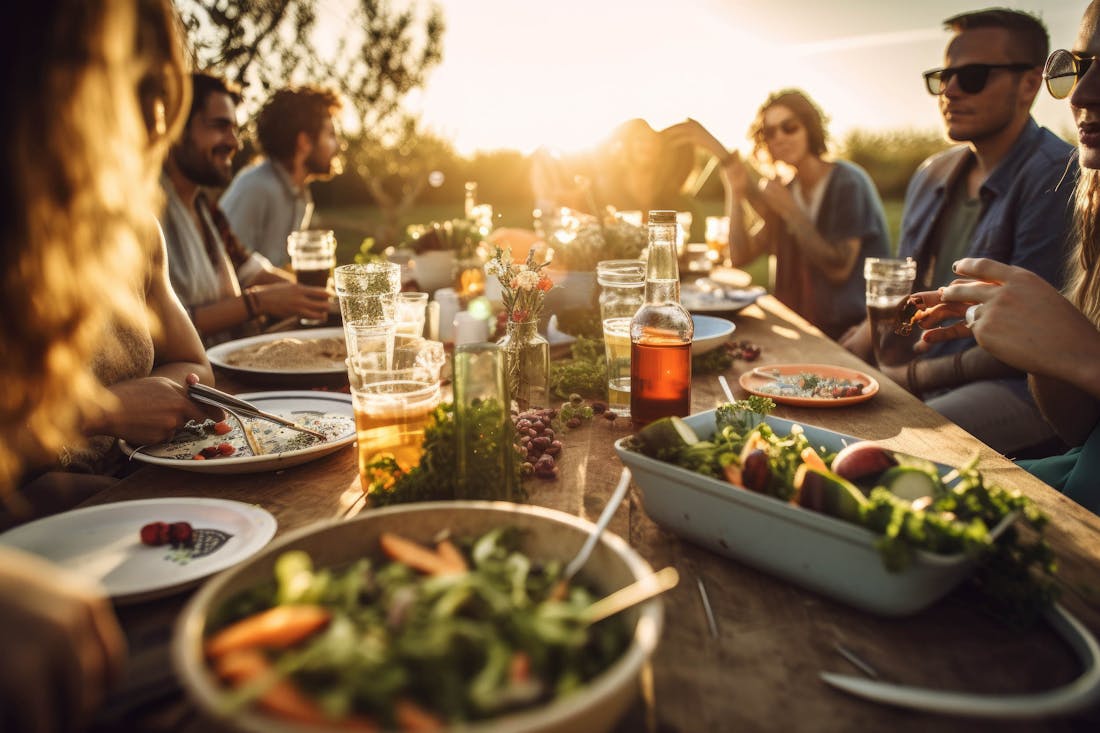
(180, 533)
(154, 533)
(210, 451)
(226, 449)
(198, 457)
(221, 428)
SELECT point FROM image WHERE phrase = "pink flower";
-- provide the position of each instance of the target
(519, 316)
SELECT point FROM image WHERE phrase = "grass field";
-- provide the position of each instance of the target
(354, 223)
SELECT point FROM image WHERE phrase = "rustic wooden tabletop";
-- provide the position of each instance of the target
(759, 671)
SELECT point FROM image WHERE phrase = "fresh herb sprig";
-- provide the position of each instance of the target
(584, 374)
(435, 477)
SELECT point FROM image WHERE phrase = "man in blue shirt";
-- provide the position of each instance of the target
(269, 200)
(1003, 194)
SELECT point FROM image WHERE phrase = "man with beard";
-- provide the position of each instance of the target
(206, 262)
(1003, 194)
(269, 200)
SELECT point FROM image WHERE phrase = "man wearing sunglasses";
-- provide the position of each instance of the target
(997, 195)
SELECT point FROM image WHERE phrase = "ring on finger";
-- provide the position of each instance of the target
(971, 315)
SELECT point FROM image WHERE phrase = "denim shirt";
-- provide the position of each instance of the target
(1026, 211)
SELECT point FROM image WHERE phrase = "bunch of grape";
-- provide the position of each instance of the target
(538, 444)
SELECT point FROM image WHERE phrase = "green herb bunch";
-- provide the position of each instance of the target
(436, 477)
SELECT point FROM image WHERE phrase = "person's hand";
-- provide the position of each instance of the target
(778, 198)
(690, 132)
(63, 648)
(150, 410)
(1020, 318)
(283, 300)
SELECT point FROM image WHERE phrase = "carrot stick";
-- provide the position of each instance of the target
(275, 628)
(415, 556)
(812, 459)
(241, 667)
(412, 717)
(733, 474)
(519, 669)
(450, 555)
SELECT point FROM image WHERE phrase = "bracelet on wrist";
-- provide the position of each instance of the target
(911, 378)
(249, 303)
(957, 364)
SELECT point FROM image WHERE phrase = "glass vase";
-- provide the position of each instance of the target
(527, 365)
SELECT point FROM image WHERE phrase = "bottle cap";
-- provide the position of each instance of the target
(662, 217)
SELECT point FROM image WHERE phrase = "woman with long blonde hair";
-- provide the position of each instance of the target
(1023, 321)
(90, 329)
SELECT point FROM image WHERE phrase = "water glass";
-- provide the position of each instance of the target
(717, 235)
(411, 310)
(889, 282)
(616, 340)
(622, 293)
(312, 257)
(683, 231)
(368, 293)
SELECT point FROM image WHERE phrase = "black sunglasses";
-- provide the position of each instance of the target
(1064, 70)
(972, 77)
(789, 126)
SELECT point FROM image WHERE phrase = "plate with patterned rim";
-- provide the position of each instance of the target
(281, 354)
(104, 543)
(328, 412)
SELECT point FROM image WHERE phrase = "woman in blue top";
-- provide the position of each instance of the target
(818, 225)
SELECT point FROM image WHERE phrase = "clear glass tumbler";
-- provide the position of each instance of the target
(889, 282)
(622, 293)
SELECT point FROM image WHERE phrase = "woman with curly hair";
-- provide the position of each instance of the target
(818, 218)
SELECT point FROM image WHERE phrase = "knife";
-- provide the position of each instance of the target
(217, 398)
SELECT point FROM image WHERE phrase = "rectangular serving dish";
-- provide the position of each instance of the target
(813, 550)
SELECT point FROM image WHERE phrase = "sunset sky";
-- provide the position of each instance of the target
(518, 74)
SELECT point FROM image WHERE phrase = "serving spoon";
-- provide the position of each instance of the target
(581, 558)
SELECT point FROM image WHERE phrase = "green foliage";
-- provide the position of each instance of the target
(436, 477)
(596, 241)
(585, 374)
(891, 157)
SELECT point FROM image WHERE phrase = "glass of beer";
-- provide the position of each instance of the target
(889, 283)
(394, 391)
(313, 258)
(717, 234)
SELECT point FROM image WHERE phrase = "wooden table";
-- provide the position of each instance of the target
(761, 671)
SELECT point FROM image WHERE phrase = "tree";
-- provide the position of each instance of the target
(377, 56)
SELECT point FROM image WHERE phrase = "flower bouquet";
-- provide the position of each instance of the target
(523, 289)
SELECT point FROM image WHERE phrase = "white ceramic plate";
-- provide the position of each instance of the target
(104, 543)
(698, 297)
(328, 412)
(816, 551)
(710, 333)
(219, 354)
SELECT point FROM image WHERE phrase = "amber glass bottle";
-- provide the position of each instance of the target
(660, 333)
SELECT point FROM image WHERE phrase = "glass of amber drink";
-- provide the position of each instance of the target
(394, 391)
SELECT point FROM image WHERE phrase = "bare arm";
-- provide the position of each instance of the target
(835, 259)
(1024, 321)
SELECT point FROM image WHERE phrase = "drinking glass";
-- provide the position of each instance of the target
(622, 293)
(394, 387)
(367, 293)
(717, 234)
(683, 231)
(312, 257)
(889, 282)
(411, 310)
